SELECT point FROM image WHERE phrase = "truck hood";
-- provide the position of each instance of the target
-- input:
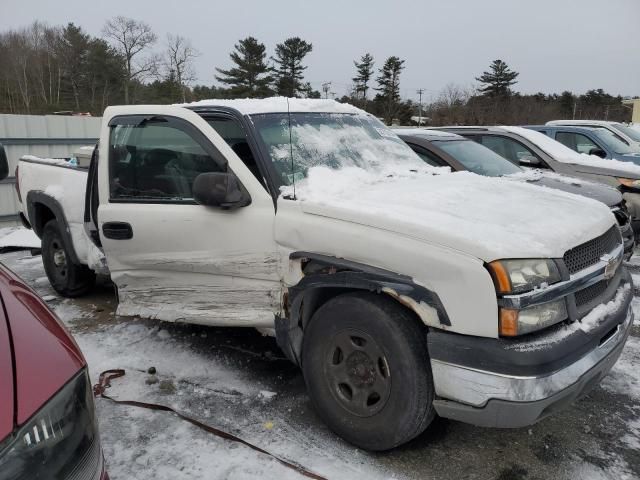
(597, 191)
(489, 218)
(7, 409)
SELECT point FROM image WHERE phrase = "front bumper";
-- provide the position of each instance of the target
(492, 399)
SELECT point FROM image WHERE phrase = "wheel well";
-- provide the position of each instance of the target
(42, 214)
(317, 297)
(290, 328)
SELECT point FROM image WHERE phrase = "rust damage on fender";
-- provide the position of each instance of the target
(426, 313)
(313, 273)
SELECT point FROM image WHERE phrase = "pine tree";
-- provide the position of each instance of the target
(251, 76)
(497, 82)
(365, 72)
(73, 50)
(289, 67)
(389, 88)
(566, 102)
(104, 79)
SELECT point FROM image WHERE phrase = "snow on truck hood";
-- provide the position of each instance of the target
(489, 218)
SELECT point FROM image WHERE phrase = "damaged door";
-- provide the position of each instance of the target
(171, 258)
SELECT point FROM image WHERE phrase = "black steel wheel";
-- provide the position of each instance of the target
(66, 277)
(357, 372)
(366, 367)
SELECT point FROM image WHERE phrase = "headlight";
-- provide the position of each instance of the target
(518, 276)
(521, 322)
(629, 183)
(60, 437)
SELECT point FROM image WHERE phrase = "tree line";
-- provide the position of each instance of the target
(49, 69)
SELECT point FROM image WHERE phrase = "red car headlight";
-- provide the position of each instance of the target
(60, 439)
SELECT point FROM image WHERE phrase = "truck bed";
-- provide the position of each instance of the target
(66, 184)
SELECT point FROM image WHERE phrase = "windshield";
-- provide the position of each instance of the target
(477, 158)
(632, 133)
(612, 141)
(331, 140)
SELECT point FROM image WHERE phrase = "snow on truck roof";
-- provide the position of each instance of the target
(251, 106)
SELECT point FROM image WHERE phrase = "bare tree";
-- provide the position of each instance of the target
(180, 55)
(131, 39)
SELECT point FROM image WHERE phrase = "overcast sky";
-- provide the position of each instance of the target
(556, 45)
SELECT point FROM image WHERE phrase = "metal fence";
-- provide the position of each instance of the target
(51, 136)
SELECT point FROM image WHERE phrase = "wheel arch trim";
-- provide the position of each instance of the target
(336, 276)
(38, 197)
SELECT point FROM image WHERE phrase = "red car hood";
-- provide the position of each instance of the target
(45, 356)
(7, 408)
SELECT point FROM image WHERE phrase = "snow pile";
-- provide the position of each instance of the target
(251, 106)
(564, 154)
(18, 237)
(482, 216)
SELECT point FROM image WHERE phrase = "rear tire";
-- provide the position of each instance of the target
(366, 367)
(66, 278)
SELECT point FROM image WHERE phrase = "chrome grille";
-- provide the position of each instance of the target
(589, 253)
(591, 293)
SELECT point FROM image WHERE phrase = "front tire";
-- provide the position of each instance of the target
(366, 367)
(66, 278)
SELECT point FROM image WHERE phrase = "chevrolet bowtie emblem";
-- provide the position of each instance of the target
(612, 264)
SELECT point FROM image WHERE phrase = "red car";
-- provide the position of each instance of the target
(48, 425)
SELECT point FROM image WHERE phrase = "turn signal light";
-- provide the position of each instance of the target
(500, 277)
(508, 322)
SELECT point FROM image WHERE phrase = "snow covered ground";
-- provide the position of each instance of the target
(237, 380)
(12, 237)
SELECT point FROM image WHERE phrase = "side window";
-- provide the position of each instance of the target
(508, 148)
(232, 133)
(155, 160)
(428, 157)
(576, 141)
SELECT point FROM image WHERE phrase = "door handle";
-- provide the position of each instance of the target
(117, 230)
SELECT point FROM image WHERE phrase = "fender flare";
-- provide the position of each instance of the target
(36, 197)
(337, 274)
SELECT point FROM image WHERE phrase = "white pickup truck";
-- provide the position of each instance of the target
(401, 290)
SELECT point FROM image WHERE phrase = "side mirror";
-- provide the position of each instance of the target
(224, 190)
(4, 163)
(529, 161)
(598, 152)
